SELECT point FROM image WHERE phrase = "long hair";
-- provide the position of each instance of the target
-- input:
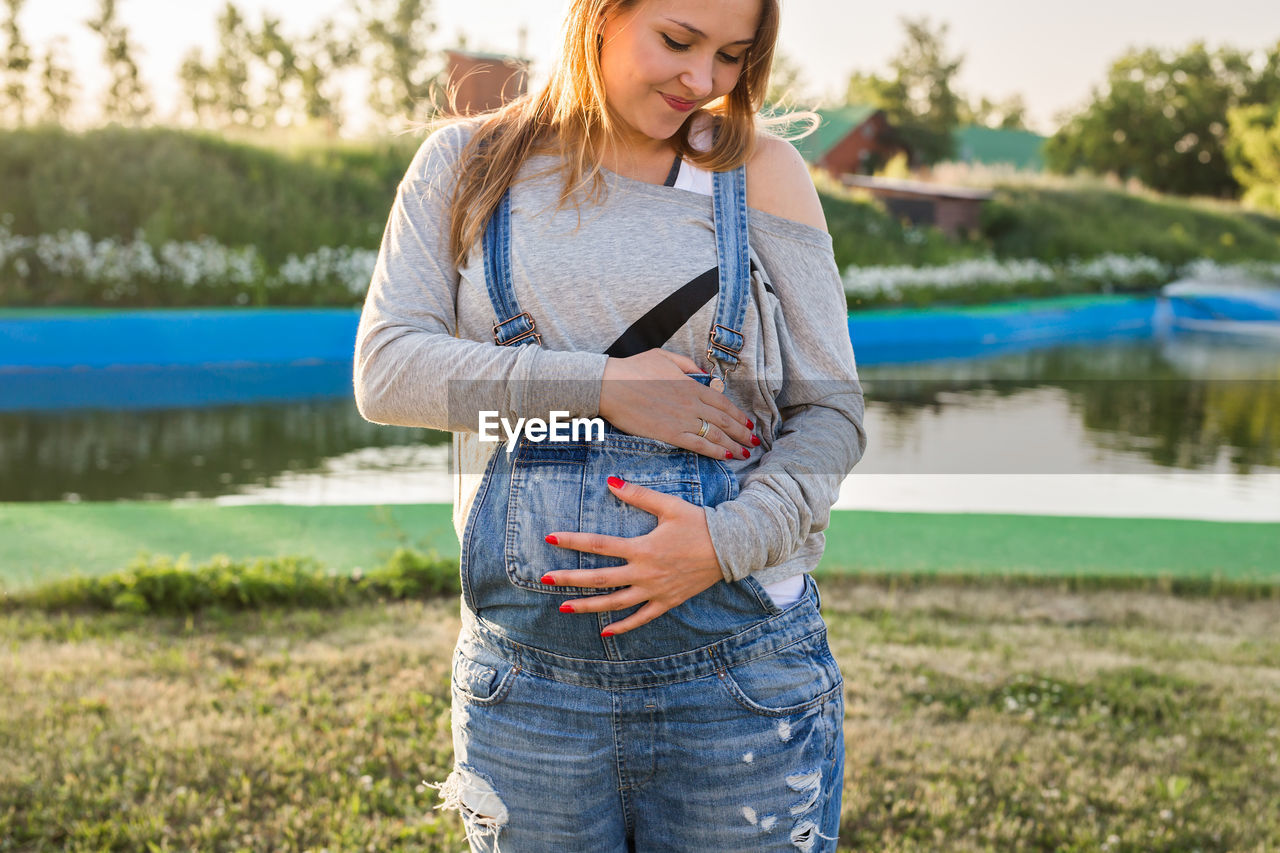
(571, 118)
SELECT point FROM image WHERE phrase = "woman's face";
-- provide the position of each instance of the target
(662, 59)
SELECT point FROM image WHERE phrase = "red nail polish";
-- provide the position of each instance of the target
(548, 580)
(617, 483)
(606, 633)
(746, 454)
(750, 424)
(755, 441)
(566, 608)
(728, 454)
(551, 539)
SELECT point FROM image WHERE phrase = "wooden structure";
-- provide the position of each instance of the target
(854, 139)
(484, 81)
(953, 210)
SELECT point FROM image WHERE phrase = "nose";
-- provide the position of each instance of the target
(696, 77)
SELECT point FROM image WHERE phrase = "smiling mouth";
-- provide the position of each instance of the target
(678, 103)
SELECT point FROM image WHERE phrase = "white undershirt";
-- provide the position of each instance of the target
(785, 592)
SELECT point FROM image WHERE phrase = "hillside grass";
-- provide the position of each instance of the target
(1029, 221)
(296, 198)
(976, 719)
(182, 185)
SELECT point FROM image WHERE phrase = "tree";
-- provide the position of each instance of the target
(919, 97)
(261, 77)
(325, 52)
(197, 87)
(126, 98)
(1009, 114)
(278, 55)
(1253, 150)
(1161, 117)
(786, 82)
(398, 32)
(17, 61)
(229, 76)
(57, 84)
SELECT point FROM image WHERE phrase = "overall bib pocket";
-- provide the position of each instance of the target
(563, 486)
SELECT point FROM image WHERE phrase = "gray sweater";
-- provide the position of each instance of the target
(425, 354)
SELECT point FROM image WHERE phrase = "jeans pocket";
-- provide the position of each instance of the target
(479, 676)
(787, 681)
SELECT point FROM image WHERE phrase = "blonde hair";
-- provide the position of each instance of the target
(571, 118)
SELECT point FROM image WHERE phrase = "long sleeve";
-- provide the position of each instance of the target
(410, 367)
(785, 501)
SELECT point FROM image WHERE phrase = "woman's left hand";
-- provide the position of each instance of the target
(665, 567)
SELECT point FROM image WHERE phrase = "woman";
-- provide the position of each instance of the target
(642, 665)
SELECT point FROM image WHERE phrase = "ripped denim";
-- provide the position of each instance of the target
(734, 746)
(715, 727)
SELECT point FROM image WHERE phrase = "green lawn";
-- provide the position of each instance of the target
(975, 720)
(42, 541)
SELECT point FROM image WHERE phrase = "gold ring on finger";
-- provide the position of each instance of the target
(706, 425)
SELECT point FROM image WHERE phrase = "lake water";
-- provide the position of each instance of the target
(1187, 426)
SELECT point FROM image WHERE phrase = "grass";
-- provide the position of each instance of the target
(181, 185)
(1056, 224)
(171, 184)
(46, 541)
(977, 718)
(162, 586)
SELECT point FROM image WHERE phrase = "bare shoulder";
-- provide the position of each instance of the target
(778, 182)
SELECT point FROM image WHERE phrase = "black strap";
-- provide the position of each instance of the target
(674, 173)
(663, 320)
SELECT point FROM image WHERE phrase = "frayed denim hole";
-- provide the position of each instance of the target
(473, 796)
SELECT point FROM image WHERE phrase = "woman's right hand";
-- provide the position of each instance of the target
(649, 395)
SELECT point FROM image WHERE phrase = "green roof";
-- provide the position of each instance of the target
(837, 123)
(1018, 148)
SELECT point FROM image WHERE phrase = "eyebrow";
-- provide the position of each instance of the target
(700, 34)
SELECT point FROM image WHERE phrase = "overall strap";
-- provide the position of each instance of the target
(514, 326)
(725, 340)
(730, 208)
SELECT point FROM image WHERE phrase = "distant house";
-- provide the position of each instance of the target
(851, 139)
(988, 146)
(485, 81)
(953, 210)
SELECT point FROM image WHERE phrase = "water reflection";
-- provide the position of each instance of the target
(1114, 408)
(176, 453)
(1189, 404)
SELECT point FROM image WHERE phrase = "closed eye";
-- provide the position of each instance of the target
(680, 48)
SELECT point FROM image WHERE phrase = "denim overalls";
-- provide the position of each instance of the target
(716, 726)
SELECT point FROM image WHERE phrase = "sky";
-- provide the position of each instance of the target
(1052, 54)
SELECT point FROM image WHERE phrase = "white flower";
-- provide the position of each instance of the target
(893, 282)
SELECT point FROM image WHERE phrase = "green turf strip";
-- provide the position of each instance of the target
(42, 541)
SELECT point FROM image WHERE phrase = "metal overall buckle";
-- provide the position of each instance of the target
(532, 331)
(720, 370)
